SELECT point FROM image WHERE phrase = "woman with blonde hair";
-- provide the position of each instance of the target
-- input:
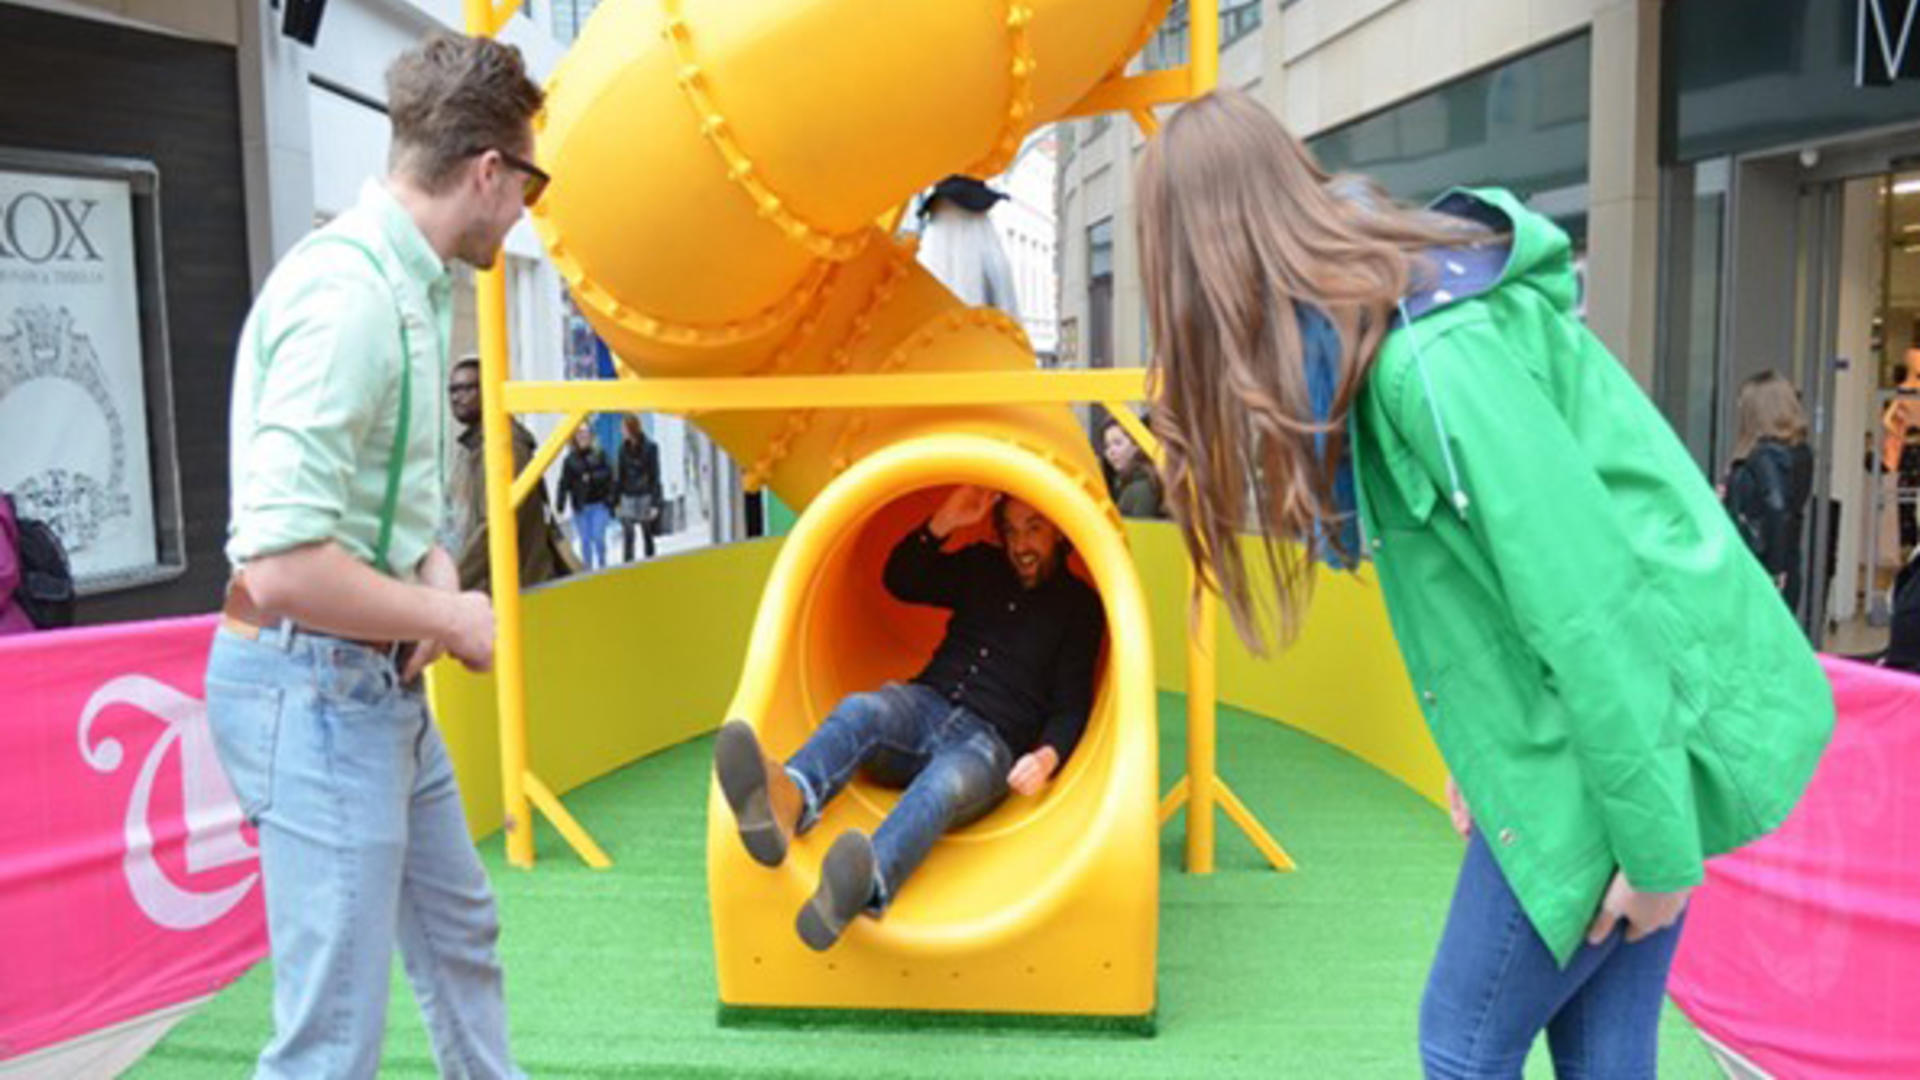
(1616, 689)
(1771, 478)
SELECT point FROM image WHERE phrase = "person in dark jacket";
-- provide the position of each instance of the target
(542, 547)
(1903, 640)
(1130, 476)
(999, 707)
(1771, 478)
(586, 484)
(638, 484)
(13, 617)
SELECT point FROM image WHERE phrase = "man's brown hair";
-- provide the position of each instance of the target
(451, 97)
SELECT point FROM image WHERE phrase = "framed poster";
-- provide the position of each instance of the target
(83, 371)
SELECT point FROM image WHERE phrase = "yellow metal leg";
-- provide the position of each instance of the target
(1241, 816)
(549, 804)
(1202, 787)
(485, 18)
(1200, 736)
(1175, 799)
(1203, 67)
(543, 457)
(503, 547)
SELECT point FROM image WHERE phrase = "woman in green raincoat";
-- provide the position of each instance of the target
(1615, 685)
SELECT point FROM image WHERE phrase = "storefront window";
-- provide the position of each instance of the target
(569, 17)
(1686, 376)
(1522, 125)
(1751, 74)
(1169, 47)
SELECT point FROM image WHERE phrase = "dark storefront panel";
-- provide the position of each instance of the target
(1746, 75)
(81, 87)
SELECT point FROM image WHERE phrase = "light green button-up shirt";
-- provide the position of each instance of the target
(316, 392)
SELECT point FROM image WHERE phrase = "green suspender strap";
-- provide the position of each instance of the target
(402, 430)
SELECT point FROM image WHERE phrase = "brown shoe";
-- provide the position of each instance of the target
(764, 799)
(845, 889)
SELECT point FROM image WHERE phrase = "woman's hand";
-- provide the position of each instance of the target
(1644, 913)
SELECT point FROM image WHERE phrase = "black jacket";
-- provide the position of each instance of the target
(1023, 659)
(1903, 644)
(1136, 493)
(585, 479)
(639, 468)
(1767, 495)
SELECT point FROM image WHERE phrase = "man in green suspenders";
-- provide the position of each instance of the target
(340, 595)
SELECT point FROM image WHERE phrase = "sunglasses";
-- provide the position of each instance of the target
(536, 180)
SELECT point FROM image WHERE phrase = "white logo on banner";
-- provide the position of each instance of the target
(212, 812)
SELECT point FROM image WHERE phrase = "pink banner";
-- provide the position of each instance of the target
(1802, 951)
(127, 879)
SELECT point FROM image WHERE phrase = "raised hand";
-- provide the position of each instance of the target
(967, 505)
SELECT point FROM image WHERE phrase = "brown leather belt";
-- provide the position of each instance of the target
(241, 617)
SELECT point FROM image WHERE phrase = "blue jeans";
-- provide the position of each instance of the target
(952, 764)
(1495, 985)
(591, 520)
(363, 844)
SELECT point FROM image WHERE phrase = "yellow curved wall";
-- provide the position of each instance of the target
(630, 662)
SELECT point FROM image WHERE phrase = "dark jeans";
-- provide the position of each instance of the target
(627, 527)
(951, 763)
(1495, 985)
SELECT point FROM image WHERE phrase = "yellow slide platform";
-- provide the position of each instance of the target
(720, 168)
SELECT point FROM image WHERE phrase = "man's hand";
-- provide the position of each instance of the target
(967, 505)
(468, 633)
(1457, 809)
(437, 572)
(1644, 912)
(1031, 773)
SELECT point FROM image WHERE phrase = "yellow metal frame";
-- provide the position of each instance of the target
(501, 398)
(1202, 787)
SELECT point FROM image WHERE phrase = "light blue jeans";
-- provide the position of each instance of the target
(363, 843)
(592, 521)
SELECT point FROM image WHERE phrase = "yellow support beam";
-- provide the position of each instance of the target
(1137, 95)
(1134, 92)
(1239, 814)
(484, 18)
(1203, 65)
(543, 457)
(549, 804)
(1149, 444)
(1202, 683)
(1175, 799)
(784, 393)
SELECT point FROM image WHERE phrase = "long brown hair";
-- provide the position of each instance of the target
(1237, 224)
(1768, 408)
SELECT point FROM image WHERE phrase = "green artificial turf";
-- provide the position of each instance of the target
(1314, 974)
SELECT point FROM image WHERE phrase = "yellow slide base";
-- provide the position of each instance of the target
(1047, 906)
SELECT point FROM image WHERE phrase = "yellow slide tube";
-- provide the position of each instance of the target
(719, 169)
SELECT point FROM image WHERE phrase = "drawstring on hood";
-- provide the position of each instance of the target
(1457, 490)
